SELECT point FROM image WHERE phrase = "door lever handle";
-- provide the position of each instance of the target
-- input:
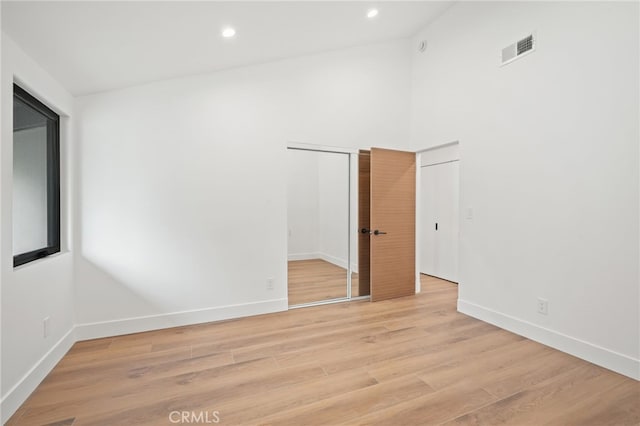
(376, 232)
(365, 231)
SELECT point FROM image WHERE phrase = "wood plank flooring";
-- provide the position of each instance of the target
(316, 280)
(407, 361)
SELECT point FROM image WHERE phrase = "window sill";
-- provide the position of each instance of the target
(51, 257)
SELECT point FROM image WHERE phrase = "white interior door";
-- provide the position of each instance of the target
(428, 219)
(440, 212)
(447, 211)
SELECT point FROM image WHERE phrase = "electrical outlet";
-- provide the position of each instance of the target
(543, 306)
(45, 327)
(269, 283)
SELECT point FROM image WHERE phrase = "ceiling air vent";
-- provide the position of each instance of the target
(518, 49)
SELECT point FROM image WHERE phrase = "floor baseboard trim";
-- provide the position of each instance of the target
(595, 354)
(19, 393)
(303, 256)
(98, 330)
(341, 263)
(323, 256)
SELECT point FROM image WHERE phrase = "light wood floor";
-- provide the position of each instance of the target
(316, 280)
(406, 361)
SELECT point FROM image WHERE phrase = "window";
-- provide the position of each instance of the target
(36, 179)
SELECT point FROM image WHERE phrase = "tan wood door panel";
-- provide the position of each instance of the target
(393, 211)
(364, 219)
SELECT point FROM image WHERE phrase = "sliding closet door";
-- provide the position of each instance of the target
(318, 226)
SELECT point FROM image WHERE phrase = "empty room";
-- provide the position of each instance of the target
(320, 213)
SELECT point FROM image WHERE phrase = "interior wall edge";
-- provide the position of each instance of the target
(19, 393)
(120, 327)
(611, 360)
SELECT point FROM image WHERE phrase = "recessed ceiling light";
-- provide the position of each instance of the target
(372, 13)
(228, 32)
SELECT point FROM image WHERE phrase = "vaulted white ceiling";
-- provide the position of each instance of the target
(94, 46)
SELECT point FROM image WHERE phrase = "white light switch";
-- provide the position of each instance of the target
(469, 213)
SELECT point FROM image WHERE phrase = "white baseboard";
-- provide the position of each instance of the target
(303, 256)
(19, 393)
(176, 319)
(595, 354)
(333, 260)
(324, 256)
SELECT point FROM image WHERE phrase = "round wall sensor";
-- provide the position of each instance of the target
(422, 46)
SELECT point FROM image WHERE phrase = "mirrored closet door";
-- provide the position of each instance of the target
(318, 208)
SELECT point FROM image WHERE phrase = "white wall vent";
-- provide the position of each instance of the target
(518, 49)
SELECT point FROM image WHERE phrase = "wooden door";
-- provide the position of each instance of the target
(393, 224)
(364, 221)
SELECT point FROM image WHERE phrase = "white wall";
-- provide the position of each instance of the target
(302, 204)
(182, 196)
(43, 288)
(549, 165)
(333, 214)
(318, 206)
